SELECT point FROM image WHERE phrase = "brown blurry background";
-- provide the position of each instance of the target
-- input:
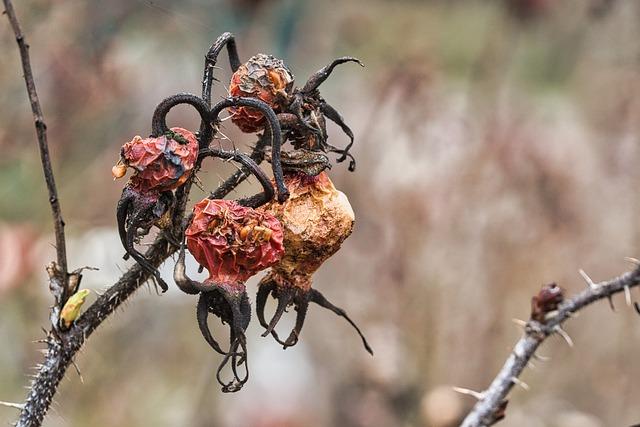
(497, 147)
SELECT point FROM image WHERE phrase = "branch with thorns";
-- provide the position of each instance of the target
(549, 310)
(232, 239)
(63, 343)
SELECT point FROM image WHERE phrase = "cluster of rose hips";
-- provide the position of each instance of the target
(291, 229)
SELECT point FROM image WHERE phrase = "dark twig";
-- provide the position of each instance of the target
(491, 405)
(41, 131)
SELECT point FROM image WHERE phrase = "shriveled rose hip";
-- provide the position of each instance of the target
(317, 218)
(263, 77)
(161, 164)
(233, 242)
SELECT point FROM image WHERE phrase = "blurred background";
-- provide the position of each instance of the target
(497, 147)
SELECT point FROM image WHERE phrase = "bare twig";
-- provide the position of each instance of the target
(41, 130)
(490, 407)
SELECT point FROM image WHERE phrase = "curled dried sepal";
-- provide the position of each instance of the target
(72, 307)
(263, 77)
(288, 295)
(317, 218)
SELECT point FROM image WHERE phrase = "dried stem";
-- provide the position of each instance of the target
(41, 131)
(490, 407)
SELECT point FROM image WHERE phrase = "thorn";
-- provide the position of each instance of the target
(633, 261)
(564, 335)
(521, 383)
(610, 299)
(19, 406)
(637, 307)
(73, 362)
(541, 358)
(473, 393)
(627, 295)
(224, 137)
(519, 322)
(587, 279)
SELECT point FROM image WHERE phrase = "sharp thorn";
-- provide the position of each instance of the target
(478, 395)
(521, 383)
(564, 335)
(633, 261)
(587, 279)
(19, 406)
(627, 295)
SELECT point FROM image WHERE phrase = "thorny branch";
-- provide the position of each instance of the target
(63, 345)
(492, 402)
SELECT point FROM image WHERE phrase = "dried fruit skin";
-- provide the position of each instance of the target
(233, 242)
(263, 77)
(317, 218)
(162, 163)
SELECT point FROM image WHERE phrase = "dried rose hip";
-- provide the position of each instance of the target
(301, 111)
(317, 218)
(161, 164)
(263, 77)
(233, 241)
